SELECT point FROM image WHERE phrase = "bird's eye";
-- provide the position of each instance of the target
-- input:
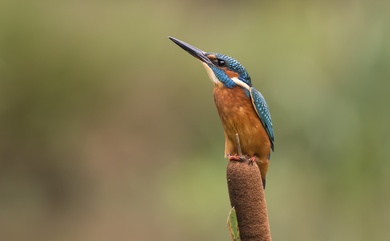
(221, 62)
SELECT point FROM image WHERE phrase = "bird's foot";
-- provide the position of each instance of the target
(236, 158)
(251, 160)
(241, 158)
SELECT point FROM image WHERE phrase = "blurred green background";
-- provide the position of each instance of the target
(108, 130)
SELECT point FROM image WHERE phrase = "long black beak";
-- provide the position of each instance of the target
(194, 51)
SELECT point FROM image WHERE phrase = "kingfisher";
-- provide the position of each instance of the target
(243, 111)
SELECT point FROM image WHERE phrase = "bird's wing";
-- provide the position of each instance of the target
(261, 108)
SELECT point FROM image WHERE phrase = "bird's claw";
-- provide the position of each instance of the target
(251, 160)
(241, 158)
(234, 157)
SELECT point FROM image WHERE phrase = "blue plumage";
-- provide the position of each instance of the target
(261, 108)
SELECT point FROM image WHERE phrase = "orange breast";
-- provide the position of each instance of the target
(238, 116)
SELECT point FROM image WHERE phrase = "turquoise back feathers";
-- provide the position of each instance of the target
(261, 108)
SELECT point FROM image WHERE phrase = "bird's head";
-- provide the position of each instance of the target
(222, 69)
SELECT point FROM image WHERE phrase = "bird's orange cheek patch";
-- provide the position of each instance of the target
(230, 74)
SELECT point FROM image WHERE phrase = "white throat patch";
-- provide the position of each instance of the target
(211, 74)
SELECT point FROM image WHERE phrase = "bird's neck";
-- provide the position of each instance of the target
(221, 88)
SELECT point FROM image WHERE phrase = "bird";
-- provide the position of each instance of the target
(243, 111)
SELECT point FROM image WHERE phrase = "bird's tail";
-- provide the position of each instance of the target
(263, 166)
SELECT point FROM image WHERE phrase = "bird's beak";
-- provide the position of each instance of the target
(194, 51)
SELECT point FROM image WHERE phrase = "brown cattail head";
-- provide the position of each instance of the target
(247, 196)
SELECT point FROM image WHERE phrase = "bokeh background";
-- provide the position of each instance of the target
(108, 131)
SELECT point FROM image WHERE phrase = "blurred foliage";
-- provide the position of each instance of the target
(108, 131)
(233, 225)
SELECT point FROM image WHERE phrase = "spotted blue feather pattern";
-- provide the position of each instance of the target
(261, 108)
